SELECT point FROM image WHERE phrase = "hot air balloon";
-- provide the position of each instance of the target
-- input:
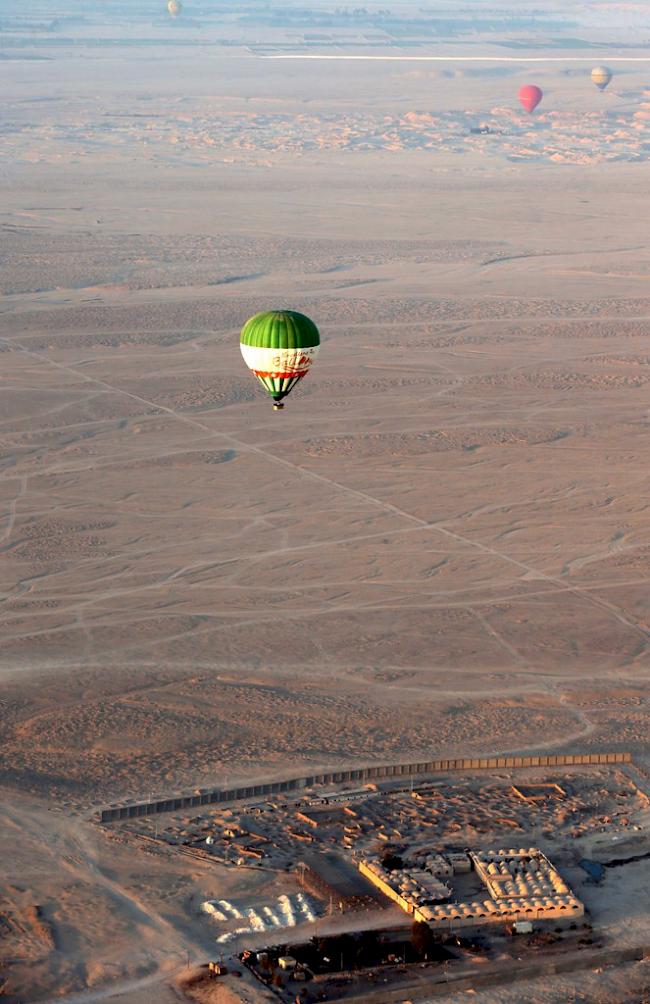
(279, 347)
(530, 96)
(174, 7)
(601, 76)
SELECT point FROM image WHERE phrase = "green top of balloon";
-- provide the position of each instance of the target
(280, 329)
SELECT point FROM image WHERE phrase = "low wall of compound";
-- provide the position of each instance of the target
(387, 890)
(511, 917)
(360, 774)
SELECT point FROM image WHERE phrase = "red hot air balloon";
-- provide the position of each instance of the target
(530, 96)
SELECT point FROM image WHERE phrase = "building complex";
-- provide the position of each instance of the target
(521, 885)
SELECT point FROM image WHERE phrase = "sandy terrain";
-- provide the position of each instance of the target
(440, 546)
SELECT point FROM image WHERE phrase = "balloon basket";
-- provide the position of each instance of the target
(278, 406)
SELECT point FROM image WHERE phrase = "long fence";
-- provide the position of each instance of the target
(361, 774)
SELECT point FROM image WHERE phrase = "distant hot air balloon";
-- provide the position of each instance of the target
(174, 7)
(279, 347)
(601, 76)
(530, 96)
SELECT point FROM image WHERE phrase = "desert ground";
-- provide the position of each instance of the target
(439, 547)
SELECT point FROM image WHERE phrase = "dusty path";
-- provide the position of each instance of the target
(122, 991)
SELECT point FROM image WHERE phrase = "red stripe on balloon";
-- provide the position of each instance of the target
(281, 374)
